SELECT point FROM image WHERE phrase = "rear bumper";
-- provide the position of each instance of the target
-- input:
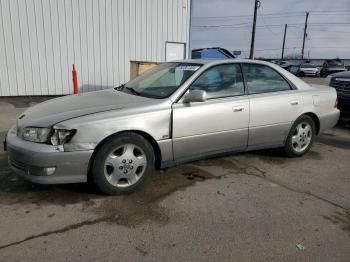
(30, 160)
(329, 120)
(329, 72)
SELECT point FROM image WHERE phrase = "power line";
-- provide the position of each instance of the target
(199, 19)
(247, 15)
(266, 26)
(312, 47)
(276, 25)
(331, 11)
(330, 31)
(301, 13)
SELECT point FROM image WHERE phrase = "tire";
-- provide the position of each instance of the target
(122, 164)
(301, 74)
(301, 137)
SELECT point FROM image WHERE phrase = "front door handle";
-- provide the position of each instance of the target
(294, 103)
(238, 108)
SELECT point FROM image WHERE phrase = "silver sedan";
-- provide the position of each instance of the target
(177, 112)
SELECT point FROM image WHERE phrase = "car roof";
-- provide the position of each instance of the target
(223, 61)
(211, 62)
(341, 74)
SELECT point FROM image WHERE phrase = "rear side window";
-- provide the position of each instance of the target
(220, 81)
(263, 79)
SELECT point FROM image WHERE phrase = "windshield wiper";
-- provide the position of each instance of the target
(120, 88)
(132, 90)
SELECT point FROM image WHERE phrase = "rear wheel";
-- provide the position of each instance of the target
(122, 164)
(300, 137)
(301, 74)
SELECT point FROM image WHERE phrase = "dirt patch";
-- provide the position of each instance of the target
(269, 157)
(313, 155)
(133, 209)
(221, 162)
(127, 210)
(15, 190)
(275, 156)
(340, 218)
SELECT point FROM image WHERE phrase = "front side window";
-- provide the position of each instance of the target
(263, 79)
(161, 81)
(220, 81)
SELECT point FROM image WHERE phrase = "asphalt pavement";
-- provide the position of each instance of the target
(257, 206)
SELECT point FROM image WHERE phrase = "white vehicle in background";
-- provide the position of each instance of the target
(308, 69)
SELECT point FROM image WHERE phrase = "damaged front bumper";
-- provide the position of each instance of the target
(44, 164)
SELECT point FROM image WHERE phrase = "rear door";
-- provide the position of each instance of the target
(217, 125)
(274, 105)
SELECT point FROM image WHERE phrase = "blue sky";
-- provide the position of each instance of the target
(228, 24)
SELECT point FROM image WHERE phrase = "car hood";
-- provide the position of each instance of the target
(345, 74)
(60, 109)
(336, 69)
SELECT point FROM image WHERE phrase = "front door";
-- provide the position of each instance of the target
(216, 125)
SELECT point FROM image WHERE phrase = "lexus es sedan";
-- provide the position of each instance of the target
(177, 112)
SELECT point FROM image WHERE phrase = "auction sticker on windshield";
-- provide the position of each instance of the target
(188, 68)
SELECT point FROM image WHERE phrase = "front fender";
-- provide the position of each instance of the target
(91, 130)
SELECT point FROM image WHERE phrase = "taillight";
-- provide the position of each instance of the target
(336, 103)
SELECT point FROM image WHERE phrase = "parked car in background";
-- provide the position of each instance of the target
(341, 83)
(331, 66)
(175, 113)
(308, 69)
(211, 53)
(284, 64)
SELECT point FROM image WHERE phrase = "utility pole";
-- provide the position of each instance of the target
(284, 40)
(256, 6)
(305, 34)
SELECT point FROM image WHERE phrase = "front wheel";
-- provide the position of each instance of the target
(300, 137)
(122, 164)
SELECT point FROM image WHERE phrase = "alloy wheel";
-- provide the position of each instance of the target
(125, 165)
(302, 136)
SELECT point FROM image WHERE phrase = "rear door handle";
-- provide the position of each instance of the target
(238, 108)
(294, 103)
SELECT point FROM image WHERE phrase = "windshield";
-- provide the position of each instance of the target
(161, 81)
(335, 64)
(308, 66)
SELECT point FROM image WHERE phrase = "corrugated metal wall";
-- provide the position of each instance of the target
(41, 39)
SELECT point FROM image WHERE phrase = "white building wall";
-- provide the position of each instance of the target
(41, 39)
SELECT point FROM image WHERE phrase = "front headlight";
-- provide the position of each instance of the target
(61, 136)
(36, 134)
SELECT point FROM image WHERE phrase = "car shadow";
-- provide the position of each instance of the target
(340, 138)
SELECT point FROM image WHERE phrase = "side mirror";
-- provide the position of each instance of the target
(195, 96)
